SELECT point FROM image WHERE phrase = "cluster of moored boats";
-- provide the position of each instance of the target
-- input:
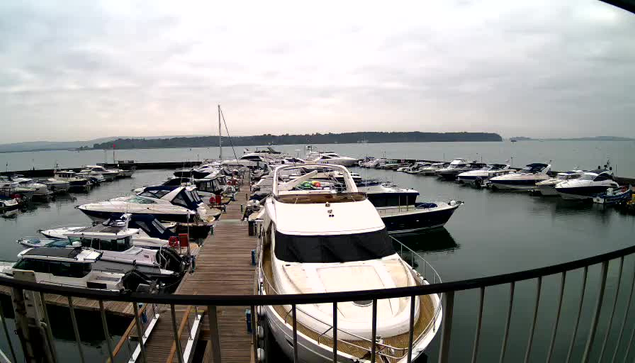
(597, 185)
(16, 190)
(141, 241)
(397, 206)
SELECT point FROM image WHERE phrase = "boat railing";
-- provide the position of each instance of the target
(590, 322)
(416, 261)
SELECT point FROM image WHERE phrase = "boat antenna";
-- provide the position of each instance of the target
(220, 138)
(228, 136)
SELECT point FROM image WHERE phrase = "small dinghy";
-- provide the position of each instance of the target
(613, 197)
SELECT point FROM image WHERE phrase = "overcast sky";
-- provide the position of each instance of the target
(87, 69)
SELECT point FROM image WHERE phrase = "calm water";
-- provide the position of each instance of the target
(492, 233)
(565, 155)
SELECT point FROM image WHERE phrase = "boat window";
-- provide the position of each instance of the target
(179, 200)
(160, 193)
(141, 200)
(32, 265)
(602, 177)
(337, 248)
(68, 269)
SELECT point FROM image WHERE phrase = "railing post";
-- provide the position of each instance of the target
(75, 328)
(214, 339)
(177, 338)
(512, 287)
(139, 331)
(446, 334)
(374, 333)
(628, 307)
(479, 318)
(254, 332)
(617, 294)
(335, 332)
(596, 315)
(411, 329)
(295, 334)
(580, 305)
(104, 323)
(535, 318)
(563, 280)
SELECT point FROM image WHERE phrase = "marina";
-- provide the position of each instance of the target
(223, 262)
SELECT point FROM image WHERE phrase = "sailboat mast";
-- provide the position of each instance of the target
(220, 139)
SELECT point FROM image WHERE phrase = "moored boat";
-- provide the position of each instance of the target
(587, 186)
(328, 240)
(525, 179)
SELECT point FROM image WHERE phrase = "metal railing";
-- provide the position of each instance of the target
(596, 346)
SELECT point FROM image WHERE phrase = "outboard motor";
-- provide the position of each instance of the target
(170, 260)
(133, 278)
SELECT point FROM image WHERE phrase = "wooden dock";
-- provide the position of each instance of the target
(223, 267)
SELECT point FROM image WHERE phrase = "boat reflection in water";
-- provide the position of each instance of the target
(436, 240)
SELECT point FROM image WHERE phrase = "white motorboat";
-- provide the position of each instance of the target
(8, 204)
(480, 176)
(75, 182)
(547, 188)
(525, 179)
(416, 168)
(95, 178)
(166, 203)
(70, 267)
(432, 169)
(329, 157)
(40, 190)
(56, 186)
(118, 253)
(587, 186)
(108, 174)
(149, 234)
(12, 189)
(326, 240)
(456, 167)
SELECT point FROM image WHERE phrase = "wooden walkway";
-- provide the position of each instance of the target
(223, 267)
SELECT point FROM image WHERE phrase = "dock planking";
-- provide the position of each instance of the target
(223, 267)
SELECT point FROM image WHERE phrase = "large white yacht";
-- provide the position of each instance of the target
(318, 239)
(590, 184)
(525, 179)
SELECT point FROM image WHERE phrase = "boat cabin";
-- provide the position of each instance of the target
(64, 262)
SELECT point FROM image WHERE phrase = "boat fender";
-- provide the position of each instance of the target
(248, 320)
(261, 354)
(261, 332)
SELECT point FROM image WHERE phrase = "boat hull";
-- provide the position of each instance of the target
(581, 193)
(418, 219)
(524, 184)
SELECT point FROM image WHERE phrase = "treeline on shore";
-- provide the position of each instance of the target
(268, 139)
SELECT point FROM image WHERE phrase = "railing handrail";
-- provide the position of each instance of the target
(316, 298)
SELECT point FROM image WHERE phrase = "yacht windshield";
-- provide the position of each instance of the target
(337, 248)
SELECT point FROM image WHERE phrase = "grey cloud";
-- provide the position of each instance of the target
(85, 69)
